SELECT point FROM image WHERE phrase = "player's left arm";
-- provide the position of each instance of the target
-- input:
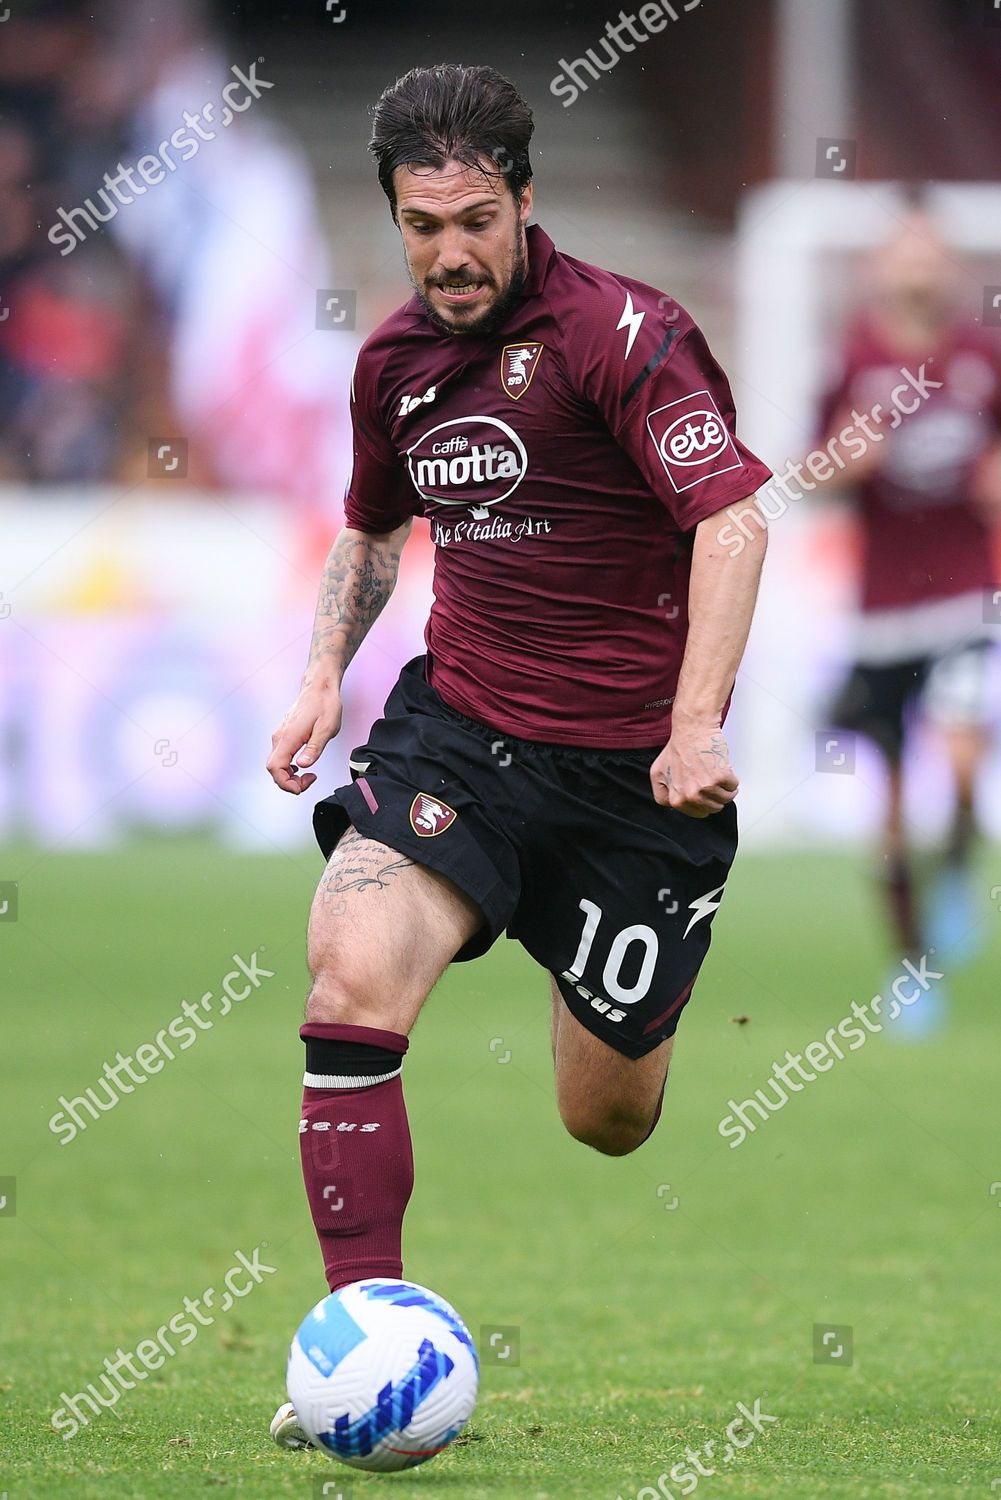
(986, 485)
(669, 405)
(693, 773)
(985, 480)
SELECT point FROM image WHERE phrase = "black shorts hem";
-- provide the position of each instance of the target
(627, 1045)
(347, 806)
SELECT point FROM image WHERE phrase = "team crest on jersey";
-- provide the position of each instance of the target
(429, 816)
(518, 365)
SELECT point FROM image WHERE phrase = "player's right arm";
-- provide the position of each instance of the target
(859, 448)
(359, 576)
(851, 437)
(358, 579)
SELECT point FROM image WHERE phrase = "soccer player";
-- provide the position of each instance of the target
(927, 489)
(554, 767)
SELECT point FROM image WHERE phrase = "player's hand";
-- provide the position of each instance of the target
(693, 773)
(313, 719)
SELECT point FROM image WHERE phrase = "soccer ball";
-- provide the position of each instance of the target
(383, 1374)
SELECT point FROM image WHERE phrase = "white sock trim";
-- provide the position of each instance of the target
(339, 1081)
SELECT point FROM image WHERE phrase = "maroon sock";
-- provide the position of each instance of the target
(357, 1160)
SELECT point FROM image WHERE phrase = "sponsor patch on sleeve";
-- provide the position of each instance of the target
(693, 441)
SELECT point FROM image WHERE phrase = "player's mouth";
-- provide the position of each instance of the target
(459, 293)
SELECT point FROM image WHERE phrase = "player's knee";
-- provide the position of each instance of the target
(341, 994)
(613, 1133)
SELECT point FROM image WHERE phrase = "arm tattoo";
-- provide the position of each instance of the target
(358, 579)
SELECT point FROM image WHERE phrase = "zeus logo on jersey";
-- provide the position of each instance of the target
(692, 440)
(631, 320)
(411, 403)
(473, 461)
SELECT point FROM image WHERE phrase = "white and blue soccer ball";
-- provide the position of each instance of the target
(383, 1374)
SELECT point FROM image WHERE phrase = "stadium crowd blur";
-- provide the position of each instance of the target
(172, 317)
(184, 315)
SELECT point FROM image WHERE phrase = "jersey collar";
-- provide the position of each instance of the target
(541, 252)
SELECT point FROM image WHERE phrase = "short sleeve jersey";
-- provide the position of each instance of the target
(923, 537)
(563, 464)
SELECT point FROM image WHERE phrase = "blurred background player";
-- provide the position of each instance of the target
(927, 491)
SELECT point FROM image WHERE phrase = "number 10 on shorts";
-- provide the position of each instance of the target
(611, 978)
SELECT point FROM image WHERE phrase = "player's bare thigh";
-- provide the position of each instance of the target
(605, 1100)
(966, 748)
(382, 930)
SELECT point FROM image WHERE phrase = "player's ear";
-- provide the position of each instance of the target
(525, 206)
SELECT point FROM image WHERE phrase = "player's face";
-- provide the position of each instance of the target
(464, 237)
(915, 272)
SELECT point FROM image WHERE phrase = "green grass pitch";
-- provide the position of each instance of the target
(651, 1294)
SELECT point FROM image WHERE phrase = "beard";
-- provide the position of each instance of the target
(497, 314)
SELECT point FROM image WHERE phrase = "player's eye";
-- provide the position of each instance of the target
(478, 223)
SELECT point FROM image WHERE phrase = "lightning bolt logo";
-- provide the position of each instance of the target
(704, 906)
(630, 319)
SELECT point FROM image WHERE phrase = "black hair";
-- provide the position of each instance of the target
(432, 116)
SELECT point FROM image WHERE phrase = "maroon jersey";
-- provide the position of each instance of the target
(922, 536)
(563, 464)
